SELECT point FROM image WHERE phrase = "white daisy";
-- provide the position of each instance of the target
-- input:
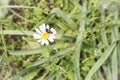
(45, 34)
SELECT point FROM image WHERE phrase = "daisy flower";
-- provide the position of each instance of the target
(44, 34)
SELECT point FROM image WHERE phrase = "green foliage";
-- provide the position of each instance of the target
(86, 47)
(3, 11)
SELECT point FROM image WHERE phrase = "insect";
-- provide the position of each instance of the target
(49, 31)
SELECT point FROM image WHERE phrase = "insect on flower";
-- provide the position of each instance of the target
(44, 34)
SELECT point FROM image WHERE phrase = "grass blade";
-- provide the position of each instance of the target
(25, 52)
(115, 37)
(79, 44)
(115, 65)
(17, 32)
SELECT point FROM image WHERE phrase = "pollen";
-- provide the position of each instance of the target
(44, 35)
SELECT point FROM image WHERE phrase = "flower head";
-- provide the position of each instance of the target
(44, 34)
(104, 5)
(95, 52)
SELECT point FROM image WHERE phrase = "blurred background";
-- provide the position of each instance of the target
(86, 47)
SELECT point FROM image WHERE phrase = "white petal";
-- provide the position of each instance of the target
(36, 36)
(38, 31)
(51, 39)
(53, 30)
(44, 42)
(42, 28)
(39, 40)
(47, 27)
(52, 35)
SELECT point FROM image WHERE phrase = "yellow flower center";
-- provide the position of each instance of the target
(44, 35)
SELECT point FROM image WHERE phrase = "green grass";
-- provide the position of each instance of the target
(86, 47)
